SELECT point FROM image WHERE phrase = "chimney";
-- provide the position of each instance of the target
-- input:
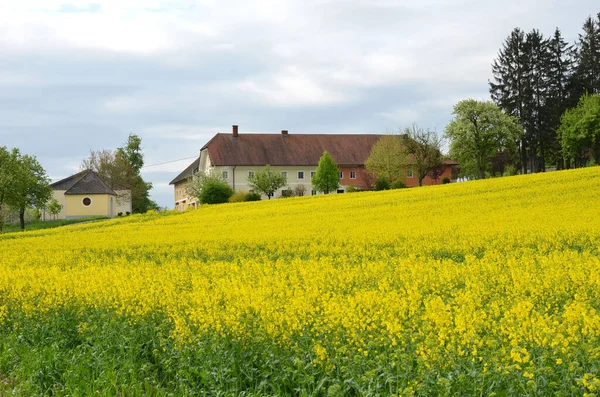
(284, 132)
(235, 131)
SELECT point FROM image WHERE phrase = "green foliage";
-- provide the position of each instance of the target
(253, 197)
(510, 170)
(267, 180)
(238, 197)
(210, 188)
(327, 176)
(132, 152)
(121, 168)
(215, 192)
(579, 129)
(352, 189)
(39, 224)
(54, 207)
(382, 183)
(388, 158)
(398, 184)
(29, 185)
(478, 132)
(445, 181)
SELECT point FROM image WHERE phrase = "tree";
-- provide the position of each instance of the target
(30, 185)
(423, 148)
(560, 88)
(209, 187)
(510, 70)
(579, 131)
(132, 152)
(120, 169)
(387, 159)
(478, 131)
(588, 57)
(327, 176)
(7, 166)
(267, 181)
(54, 207)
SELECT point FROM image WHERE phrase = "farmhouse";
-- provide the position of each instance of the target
(85, 194)
(236, 156)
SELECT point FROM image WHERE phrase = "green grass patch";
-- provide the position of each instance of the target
(39, 224)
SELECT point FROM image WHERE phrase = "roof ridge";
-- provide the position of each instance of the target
(84, 172)
(95, 174)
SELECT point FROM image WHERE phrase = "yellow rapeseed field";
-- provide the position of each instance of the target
(469, 289)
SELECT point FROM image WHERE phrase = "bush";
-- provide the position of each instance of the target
(510, 170)
(382, 183)
(287, 193)
(127, 213)
(300, 190)
(215, 192)
(120, 214)
(352, 189)
(253, 197)
(238, 197)
(398, 185)
(445, 181)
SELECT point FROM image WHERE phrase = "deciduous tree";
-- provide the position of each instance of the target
(388, 159)
(423, 148)
(478, 131)
(327, 176)
(579, 130)
(30, 186)
(267, 181)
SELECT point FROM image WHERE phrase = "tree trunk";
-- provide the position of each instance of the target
(22, 219)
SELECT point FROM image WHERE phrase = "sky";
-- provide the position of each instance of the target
(77, 75)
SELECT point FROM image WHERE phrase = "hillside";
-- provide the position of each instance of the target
(464, 288)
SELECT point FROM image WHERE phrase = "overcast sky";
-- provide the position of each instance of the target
(77, 76)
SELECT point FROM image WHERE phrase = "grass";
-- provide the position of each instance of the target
(39, 224)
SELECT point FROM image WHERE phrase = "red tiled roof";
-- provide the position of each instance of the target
(289, 150)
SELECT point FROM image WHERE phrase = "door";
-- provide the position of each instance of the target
(112, 213)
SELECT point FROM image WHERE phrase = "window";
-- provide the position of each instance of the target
(340, 191)
(409, 174)
(312, 174)
(313, 192)
(251, 191)
(352, 174)
(300, 174)
(341, 174)
(225, 174)
(284, 174)
(87, 201)
(250, 174)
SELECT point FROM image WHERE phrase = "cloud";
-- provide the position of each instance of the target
(79, 75)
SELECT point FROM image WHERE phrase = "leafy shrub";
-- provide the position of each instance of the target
(352, 189)
(120, 214)
(238, 197)
(398, 185)
(510, 170)
(287, 193)
(382, 183)
(445, 181)
(215, 192)
(253, 197)
(127, 213)
(299, 190)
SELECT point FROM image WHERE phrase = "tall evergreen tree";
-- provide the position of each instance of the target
(536, 92)
(510, 70)
(588, 57)
(560, 86)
